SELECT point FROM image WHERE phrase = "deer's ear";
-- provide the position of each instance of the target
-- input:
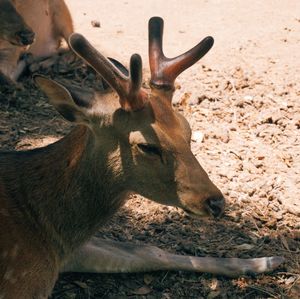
(71, 105)
(119, 66)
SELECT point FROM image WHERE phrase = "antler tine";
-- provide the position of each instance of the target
(165, 70)
(136, 74)
(136, 95)
(156, 55)
(101, 64)
(132, 97)
(180, 63)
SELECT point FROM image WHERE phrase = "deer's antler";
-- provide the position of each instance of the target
(165, 70)
(132, 96)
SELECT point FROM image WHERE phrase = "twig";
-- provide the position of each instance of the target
(163, 279)
(263, 290)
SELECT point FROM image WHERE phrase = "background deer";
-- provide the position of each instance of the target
(34, 27)
(53, 199)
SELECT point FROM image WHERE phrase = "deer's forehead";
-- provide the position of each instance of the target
(163, 113)
(166, 119)
(157, 121)
(158, 118)
(166, 125)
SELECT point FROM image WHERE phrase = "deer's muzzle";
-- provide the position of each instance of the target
(215, 205)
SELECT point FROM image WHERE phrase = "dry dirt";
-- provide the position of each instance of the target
(243, 102)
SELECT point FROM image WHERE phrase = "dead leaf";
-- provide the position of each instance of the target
(213, 294)
(244, 246)
(81, 284)
(142, 291)
(285, 243)
(148, 279)
(290, 280)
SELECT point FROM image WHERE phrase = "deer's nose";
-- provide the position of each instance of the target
(25, 37)
(215, 205)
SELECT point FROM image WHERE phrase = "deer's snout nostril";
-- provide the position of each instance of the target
(216, 205)
(26, 37)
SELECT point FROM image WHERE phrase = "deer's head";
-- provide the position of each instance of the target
(148, 143)
(13, 28)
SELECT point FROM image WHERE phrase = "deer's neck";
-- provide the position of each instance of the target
(69, 188)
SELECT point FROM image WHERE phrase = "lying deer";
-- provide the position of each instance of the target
(47, 22)
(53, 199)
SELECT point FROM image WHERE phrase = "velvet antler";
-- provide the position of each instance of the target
(132, 96)
(165, 70)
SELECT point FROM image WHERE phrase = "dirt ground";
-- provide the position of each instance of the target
(243, 103)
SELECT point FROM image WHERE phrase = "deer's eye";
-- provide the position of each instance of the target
(149, 149)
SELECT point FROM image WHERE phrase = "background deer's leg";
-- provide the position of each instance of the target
(4, 80)
(15, 72)
(24, 61)
(104, 256)
(62, 20)
(9, 69)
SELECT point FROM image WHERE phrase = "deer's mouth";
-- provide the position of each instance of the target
(15, 43)
(206, 212)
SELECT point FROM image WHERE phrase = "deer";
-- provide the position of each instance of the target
(30, 32)
(126, 140)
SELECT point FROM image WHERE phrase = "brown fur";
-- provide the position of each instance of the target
(51, 22)
(54, 198)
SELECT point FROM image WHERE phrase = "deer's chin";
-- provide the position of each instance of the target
(197, 214)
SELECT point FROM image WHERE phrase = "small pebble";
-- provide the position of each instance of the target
(197, 136)
(96, 24)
